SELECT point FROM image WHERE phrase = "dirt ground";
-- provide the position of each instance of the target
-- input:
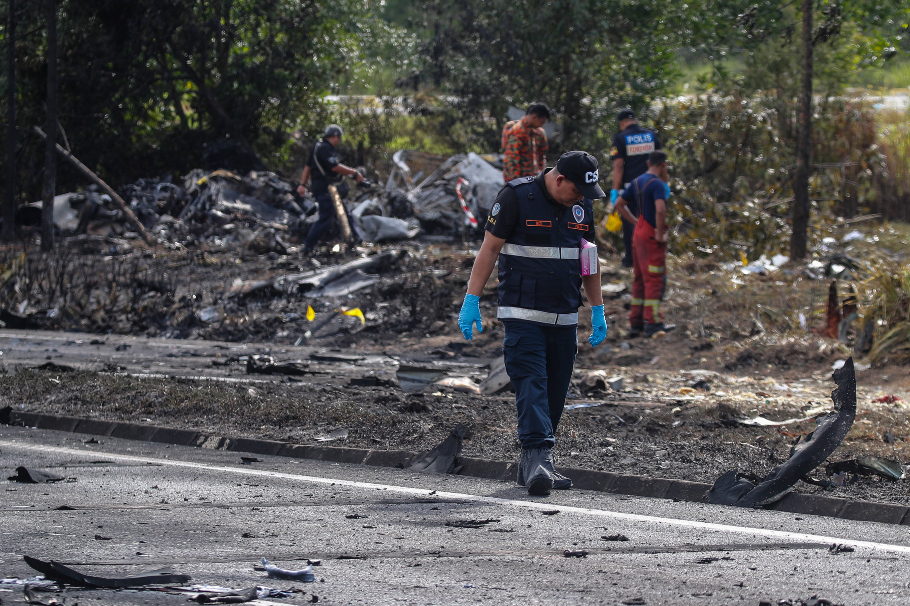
(737, 353)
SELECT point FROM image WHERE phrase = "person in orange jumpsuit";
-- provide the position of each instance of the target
(524, 144)
(649, 243)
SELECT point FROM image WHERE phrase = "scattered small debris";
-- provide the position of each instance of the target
(267, 365)
(24, 475)
(498, 380)
(304, 575)
(338, 434)
(598, 380)
(462, 384)
(615, 537)
(32, 598)
(471, 523)
(445, 457)
(226, 596)
(211, 594)
(763, 422)
(702, 385)
(54, 367)
(813, 601)
(417, 378)
(887, 399)
(891, 470)
(371, 381)
(326, 356)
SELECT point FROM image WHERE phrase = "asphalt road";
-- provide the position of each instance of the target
(389, 536)
(141, 356)
(214, 360)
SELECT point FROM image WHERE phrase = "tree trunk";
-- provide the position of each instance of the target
(800, 209)
(50, 153)
(9, 213)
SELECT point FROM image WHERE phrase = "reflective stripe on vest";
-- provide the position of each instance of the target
(532, 315)
(539, 252)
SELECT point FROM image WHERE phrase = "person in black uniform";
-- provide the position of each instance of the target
(535, 230)
(631, 147)
(323, 169)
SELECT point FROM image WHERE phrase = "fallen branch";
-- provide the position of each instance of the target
(862, 218)
(82, 168)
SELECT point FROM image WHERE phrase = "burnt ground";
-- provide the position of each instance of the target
(738, 353)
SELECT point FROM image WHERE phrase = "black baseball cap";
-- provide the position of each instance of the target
(332, 130)
(625, 114)
(581, 169)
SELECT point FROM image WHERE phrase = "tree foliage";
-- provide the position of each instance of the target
(152, 86)
(155, 86)
(584, 58)
(771, 23)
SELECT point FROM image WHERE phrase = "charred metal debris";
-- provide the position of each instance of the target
(57, 576)
(262, 211)
(735, 488)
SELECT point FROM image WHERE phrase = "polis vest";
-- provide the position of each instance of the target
(539, 271)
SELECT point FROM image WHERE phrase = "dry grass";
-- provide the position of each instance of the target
(885, 301)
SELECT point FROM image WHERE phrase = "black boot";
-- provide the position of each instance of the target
(560, 482)
(533, 470)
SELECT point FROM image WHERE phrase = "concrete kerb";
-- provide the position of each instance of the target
(585, 479)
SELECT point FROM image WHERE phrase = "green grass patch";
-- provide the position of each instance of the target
(894, 75)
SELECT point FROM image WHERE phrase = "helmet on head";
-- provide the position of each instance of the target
(332, 130)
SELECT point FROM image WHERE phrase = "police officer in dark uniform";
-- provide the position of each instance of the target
(630, 151)
(323, 169)
(535, 230)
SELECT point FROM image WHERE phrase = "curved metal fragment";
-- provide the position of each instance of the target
(63, 574)
(730, 489)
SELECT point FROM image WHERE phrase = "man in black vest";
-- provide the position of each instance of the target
(631, 147)
(535, 230)
(323, 169)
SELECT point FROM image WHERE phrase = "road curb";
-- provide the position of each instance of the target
(585, 479)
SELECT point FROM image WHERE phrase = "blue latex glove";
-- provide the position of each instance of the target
(599, 322)
(614, 196)
(470, 315)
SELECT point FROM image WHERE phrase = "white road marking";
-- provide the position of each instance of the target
(795, 537)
